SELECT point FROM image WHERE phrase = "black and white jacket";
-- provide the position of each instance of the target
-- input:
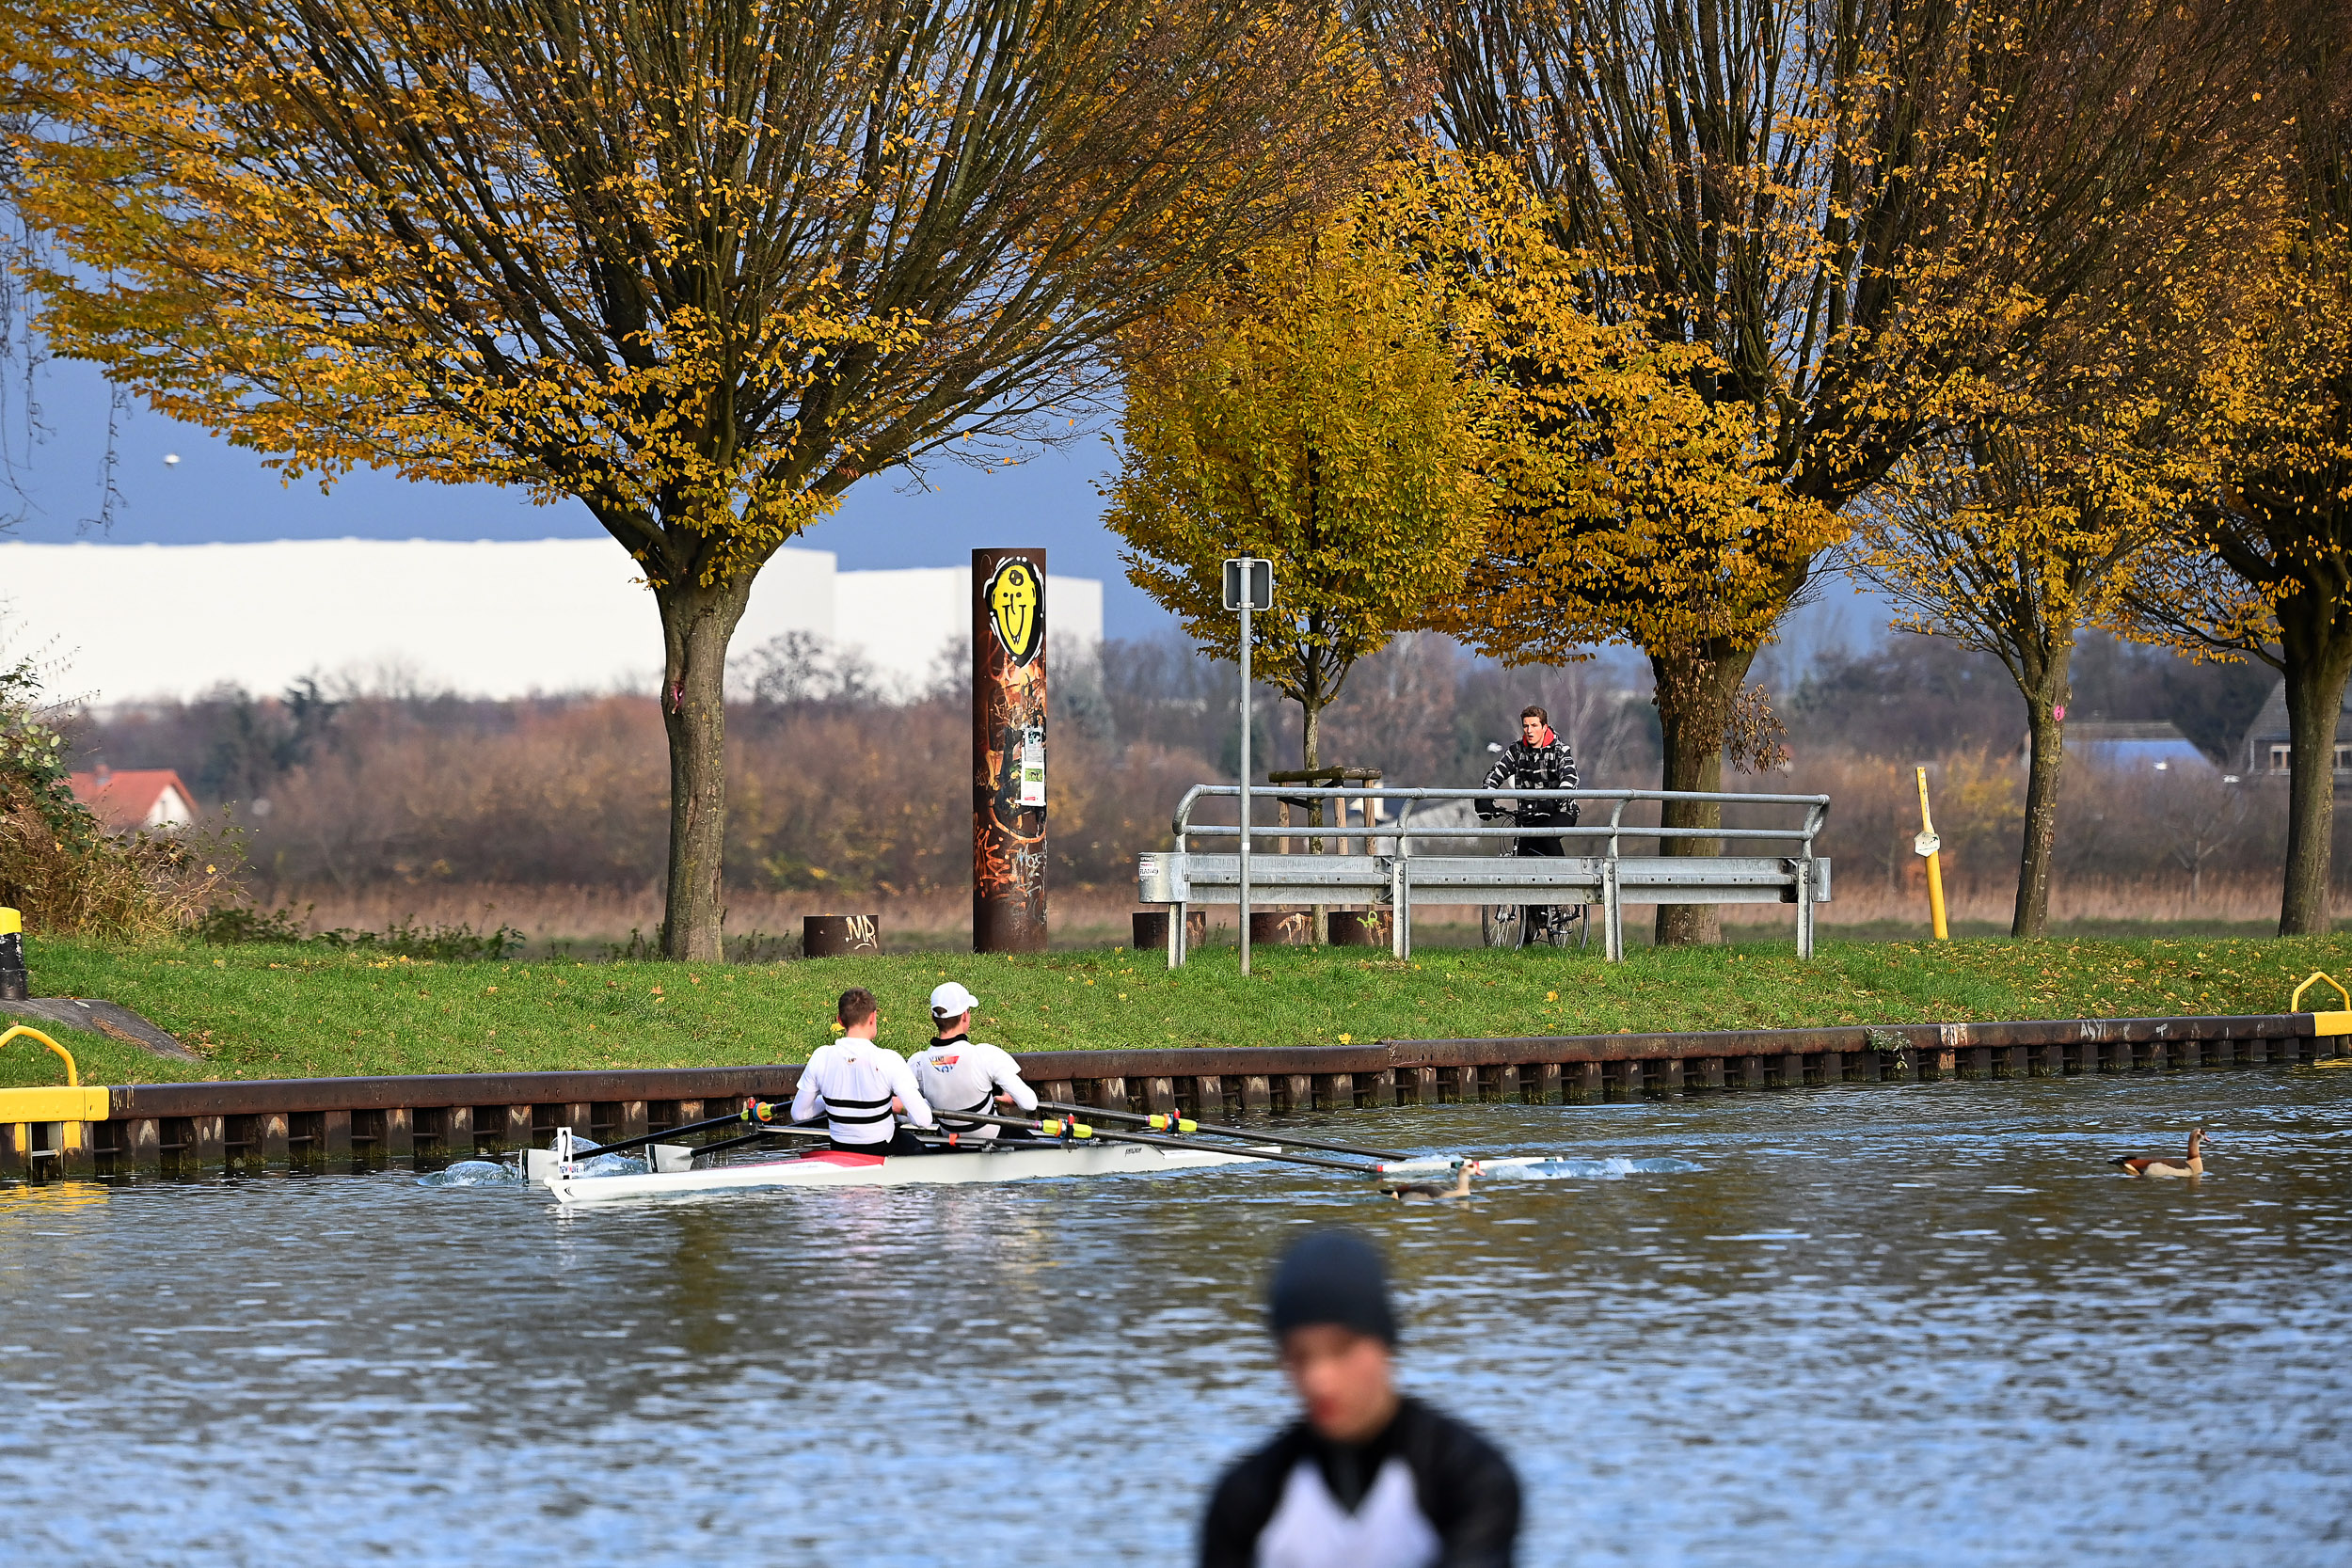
(1525, 767)
(1427, 1493)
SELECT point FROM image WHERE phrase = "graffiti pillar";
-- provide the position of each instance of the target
(1009, 776)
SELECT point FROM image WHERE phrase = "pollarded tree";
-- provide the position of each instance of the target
(699, 265)
(1838, 208)
(1316, 406)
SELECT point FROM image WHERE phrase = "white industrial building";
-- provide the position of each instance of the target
(128, 622)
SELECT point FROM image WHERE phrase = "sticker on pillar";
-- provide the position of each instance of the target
(1033, 769)
(1013, 597)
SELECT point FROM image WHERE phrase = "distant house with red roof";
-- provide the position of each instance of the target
(151, 798)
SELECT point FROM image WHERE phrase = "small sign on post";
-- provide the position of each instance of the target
(1249, 587)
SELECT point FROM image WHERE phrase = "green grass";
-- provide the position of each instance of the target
(267, 1013)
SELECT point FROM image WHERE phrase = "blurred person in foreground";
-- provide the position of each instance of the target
(1366, 1478)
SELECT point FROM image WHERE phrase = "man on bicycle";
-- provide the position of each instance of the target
(1537, 760)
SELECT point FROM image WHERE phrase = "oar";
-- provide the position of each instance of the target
(784, 1131)
(667, 1133)
(1182, 1124)
(1082, 1132)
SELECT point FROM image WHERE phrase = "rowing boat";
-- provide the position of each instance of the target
(673, 1175)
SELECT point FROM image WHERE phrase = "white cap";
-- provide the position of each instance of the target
(952, 1001)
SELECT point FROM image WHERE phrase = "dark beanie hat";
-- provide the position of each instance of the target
(1331, 1277)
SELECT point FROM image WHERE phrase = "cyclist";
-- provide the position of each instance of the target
(1537, 760)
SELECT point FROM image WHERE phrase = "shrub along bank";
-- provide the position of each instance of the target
(279, 1012)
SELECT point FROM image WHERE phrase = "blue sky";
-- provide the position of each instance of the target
(218, 494)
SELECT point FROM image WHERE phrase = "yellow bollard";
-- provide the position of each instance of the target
(1929, 845)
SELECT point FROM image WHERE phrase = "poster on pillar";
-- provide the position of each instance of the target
(1012, 779)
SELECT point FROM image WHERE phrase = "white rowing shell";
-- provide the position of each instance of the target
(858, 1170)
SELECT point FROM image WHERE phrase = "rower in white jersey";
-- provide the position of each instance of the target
(861, 1085)
(958, 1073)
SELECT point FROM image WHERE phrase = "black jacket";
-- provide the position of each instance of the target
(1463, 1484)
(1525, 767)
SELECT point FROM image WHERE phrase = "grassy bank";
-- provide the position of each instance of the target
(270, 1012)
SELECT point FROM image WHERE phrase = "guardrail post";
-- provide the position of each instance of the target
(1805, 902)
(1549, 1086)
(1256, 1093)
(1611, 910)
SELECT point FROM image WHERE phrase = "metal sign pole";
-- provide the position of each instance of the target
(1246, 590)
(1245, 771)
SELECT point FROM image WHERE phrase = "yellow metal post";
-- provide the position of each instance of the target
(1930, 847)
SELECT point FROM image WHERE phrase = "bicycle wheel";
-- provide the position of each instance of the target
(1502, 926)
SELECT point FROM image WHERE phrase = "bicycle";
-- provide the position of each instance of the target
(1511, 925)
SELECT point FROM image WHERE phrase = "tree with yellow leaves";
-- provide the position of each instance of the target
(2059, 474)
(700, 266)
(1818, 215)
(2009, 543)
(1312, 406)
(2263, 567)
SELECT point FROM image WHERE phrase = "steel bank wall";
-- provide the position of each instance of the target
(352, 1123)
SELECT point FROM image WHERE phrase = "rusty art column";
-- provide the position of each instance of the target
(1008, 750)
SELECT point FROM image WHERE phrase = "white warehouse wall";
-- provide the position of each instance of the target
(902, 622)
(125, 622)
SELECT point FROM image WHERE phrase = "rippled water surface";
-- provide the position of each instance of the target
(1879, 1326)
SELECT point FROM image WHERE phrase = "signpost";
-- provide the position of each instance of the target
(1248, 586)
(1009, 765)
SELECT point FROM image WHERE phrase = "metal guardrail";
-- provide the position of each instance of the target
(1399, 877)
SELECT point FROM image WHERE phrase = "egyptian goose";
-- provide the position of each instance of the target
(2165, 1164)
(1430, 1192)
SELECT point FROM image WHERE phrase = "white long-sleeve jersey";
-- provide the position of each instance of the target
(960, 1075)
(855, 1080)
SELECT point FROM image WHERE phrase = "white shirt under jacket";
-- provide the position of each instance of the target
(965, 1075)
(855, 1079)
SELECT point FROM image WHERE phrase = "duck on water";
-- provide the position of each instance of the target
(2166, 1164)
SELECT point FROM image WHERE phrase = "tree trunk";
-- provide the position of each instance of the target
(696, 623)
(1694, 697)
(2045, 766)
(2316, 664)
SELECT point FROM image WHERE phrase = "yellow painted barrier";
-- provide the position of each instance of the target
(74, 1101)
(2325, 1024)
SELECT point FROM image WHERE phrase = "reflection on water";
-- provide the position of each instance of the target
(1879, 1326)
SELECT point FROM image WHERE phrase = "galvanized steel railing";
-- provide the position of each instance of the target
(1602, 876)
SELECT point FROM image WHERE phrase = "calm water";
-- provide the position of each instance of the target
(1880, 1326)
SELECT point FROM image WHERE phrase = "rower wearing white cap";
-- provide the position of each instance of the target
(958, 1073)
(860, 1085)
